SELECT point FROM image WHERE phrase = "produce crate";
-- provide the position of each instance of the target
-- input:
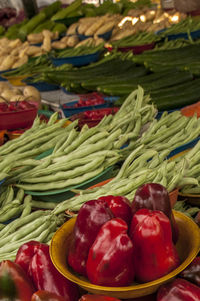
(69, 110)
(77, 61)
(16, 120)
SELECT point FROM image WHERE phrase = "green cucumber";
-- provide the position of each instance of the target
(45, 25)
(52, 9)
(63, 13)
(171, 103)
(32, 24)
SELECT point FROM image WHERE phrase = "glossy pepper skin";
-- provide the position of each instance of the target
(14, 283)
(46, 277)
(46, 296)
(154, 252)
(155, 196)
(89, 297)
(92, 215)
(120, 207)
(110, 259)
(192, 272)
(179, 290)
(26, 252)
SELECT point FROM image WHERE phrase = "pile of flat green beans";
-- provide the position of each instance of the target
(143, 165)
(39, 225)
(169, 132)
(193, 160)
(73, 52)
(38, 139)
(80, 156)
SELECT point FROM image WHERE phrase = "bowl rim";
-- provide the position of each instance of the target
(86, 284)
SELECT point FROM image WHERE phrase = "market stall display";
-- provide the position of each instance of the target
(131, 153)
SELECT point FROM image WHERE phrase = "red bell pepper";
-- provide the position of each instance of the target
(14, 283)
(92, 215)
(46, 277)
(154, 252)
(46, 296)
(192, 272)
(26, 252)
(179, 290)
(110, 259)
(89, 297)
(120, 207)
(155, 196)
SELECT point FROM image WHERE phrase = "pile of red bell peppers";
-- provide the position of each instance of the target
(114, 244)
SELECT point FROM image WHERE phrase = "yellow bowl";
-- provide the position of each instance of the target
(188, 247)
(193, 199)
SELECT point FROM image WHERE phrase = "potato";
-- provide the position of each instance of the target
(87, 42)
(33, 94)
(18, 98)
(95, 26)
(72, 41)
(72, 29)
(21, 61)
(15, 51)
(58, 45)
(8, 94)
(38, 54)
(35, 38)
(98, 41)
(15, 43)
(4, 86)
(8, 62)
(17, 91)
(32, 50)
(46, 46)
(64, 40)
(106, 27)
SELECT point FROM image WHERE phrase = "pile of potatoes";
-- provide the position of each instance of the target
(9, 93)
(15, 53)
(93, 27)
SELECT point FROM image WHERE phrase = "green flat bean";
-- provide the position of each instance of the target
(61, 184)
(43, 205)
(80, 140)
(128, 161)
(9, 196)
(27, 205)
(12, 213)
(20, 222)
(80, 170)
(18, 143)
(53, 118)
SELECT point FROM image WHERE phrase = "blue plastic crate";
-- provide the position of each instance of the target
(183, 147)
(183, 35)
(77, 61)
(42, 86)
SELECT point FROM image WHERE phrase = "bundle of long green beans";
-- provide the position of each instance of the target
(38, 225)
(80, 156)
(193, 159)
(143, 165)
(82, 50)
(138, 39)
(169, 132)
(38, 139)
